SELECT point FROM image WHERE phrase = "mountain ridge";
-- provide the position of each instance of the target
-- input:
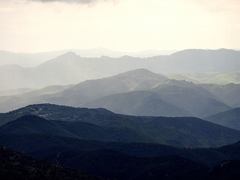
(230, 118)
(64, 71)
(179, 131)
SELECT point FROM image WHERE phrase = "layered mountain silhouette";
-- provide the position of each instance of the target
(137, 92)
(40, 139)
(70, 68)
(165, 117)
(103, 125)
(87, 91)
(34, 125)
(113, 146)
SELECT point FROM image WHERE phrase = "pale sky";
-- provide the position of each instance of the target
(127, 25)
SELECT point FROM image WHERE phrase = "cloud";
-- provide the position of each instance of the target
(70, 1)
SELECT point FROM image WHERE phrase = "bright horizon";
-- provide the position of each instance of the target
(120, 25)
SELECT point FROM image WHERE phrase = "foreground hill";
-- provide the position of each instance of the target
(229, 118)
(113, 164)
(101, 143)
(18, 166)
(179, 131)
(127, 161)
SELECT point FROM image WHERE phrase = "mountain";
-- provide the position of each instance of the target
(172, 98)
(70, 68)
(229, 93)
(181, 132)
(28, 125)
(33, 59)
(66, 145)
(34, 125)
(140, 79)
(141, 103)
(8, 103)
(111, 164)
(45, 146)
(77, 95)
(191, 97)
(54, 72)
(209, 78)
(150, 93)
(229, 118)
(114, 164)
(18, 166)
(124, 160)
(203, 61)
(65, 69)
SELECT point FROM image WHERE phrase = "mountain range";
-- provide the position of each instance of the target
(60, 141)
(137, 92)
(103, 125)
(34, 59)
(209, 78)
(81, 116)
(70, 68)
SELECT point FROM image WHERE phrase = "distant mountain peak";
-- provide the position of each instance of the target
(202, 51)
(67, 57)
(70, 54)
(141, 72)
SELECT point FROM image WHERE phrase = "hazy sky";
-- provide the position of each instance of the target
(132, 25)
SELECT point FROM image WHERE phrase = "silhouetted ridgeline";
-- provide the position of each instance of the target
(103, 125)
(112, 146)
